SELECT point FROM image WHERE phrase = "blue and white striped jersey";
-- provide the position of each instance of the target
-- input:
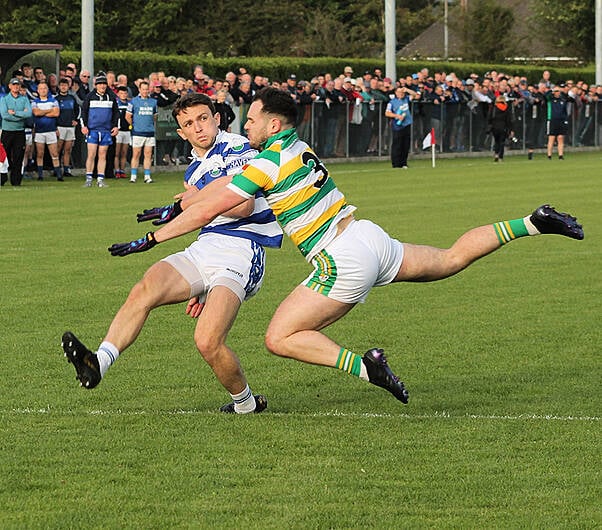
(229, 154)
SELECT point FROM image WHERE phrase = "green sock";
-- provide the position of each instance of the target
(349, 362)
(508, 230)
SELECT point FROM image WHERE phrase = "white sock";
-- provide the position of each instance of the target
(244, 402)
(530, 226)
(364, 372)
(107, 354)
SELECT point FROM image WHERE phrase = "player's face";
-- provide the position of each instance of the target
(199, 127)
(43, 90)
(101, 88)
(258, 125)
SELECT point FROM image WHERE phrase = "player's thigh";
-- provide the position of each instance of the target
(219, 313)
(420, 263)
(162, 284)
(304, 309)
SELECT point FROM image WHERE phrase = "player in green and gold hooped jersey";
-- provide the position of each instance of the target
(349, 256)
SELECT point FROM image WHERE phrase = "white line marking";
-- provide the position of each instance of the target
(335, 413)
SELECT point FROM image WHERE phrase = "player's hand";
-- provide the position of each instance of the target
(162, 214)
(139, 245)
(194, 307)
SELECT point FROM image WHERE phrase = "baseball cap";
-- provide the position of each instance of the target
(14, 81)
(292, 76)
(348, 69)
(347, 80)
(469, 82)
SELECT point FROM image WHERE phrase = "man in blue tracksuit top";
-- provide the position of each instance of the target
(400, 112)
(142, 115)
(99, 120)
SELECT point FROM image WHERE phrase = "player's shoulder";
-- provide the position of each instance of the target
(228, 143)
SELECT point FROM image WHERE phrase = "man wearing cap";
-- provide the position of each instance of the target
(99, 119)
(291, 86)
(15, 109)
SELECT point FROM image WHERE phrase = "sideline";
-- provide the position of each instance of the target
(443, 415)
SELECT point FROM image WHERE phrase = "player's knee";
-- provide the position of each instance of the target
(274, 342)
(209, 347)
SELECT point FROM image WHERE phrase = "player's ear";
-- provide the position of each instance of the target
(217, 117)
(181, 134)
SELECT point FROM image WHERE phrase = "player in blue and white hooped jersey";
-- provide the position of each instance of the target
(215, 274)
(45, 110)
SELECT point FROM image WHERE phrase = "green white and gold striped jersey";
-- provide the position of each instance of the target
(305, 200)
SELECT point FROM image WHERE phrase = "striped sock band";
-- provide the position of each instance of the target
(106, 354)
(349, 362)
(506, 231)
(244, 402)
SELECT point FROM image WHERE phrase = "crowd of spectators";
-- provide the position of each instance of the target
(343, 113)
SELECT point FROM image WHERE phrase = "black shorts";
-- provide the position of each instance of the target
(558, 127)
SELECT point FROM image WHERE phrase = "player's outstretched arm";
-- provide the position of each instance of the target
(161, 215)
(196, 216)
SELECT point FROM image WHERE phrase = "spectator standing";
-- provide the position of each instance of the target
(436, 102)
(499, 123)
(558, 120)
(142, 115)
(84, 84)
(226, 114)
(99, 120)
(123, 138)
(400, 113)
(15, 109)
(66, 122)
(45, 110)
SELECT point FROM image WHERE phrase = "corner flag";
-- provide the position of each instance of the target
(429, 141)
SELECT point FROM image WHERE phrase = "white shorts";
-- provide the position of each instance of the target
(123, 137)
(28, 137)
(66, 134)
(362, 257)
(45, 138)
(216, 259)
(141, 141)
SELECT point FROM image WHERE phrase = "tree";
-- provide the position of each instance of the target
(569, 26)
(486, 29)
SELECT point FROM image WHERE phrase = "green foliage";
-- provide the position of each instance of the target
(502, 363)
(568, 25)
(486, 29)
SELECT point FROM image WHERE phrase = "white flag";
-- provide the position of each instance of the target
(429, 139)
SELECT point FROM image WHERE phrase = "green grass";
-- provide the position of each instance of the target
(502, 363)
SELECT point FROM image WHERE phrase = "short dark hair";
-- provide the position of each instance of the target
(191, 100)
(277, 102)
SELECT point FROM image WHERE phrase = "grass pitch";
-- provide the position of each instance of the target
(502, 363)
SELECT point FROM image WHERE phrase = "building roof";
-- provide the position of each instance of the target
(430, 43)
